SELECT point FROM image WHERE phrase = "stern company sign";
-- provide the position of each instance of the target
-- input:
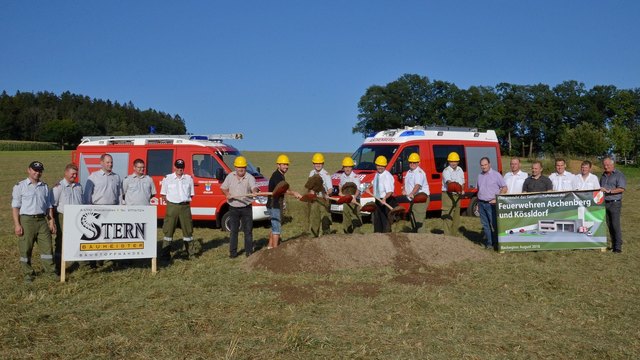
(93, 232)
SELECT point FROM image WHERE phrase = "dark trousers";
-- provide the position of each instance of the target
(238, 216)
(381, 221)
(614, 210)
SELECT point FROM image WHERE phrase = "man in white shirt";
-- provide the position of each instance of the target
(351, 220)
(319, 216)
(562, 180)
(515, 178)
(177, 190)
(415, 181)
(383, 187)
(451, 199)
(586, 180)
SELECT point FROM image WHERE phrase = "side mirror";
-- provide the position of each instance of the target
(220, 174)
(258, 170)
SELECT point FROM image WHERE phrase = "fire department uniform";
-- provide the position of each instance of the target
(451, 201)
(64, 193)
(418, 210)
(178, 192)
(319, 216)
(138, 190)
(383, 183)
(34, 202)
(351, 219)
(103, 188)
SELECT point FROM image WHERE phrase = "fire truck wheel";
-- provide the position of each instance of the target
(474, 209)
(224, 223)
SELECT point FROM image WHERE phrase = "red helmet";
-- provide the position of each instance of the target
(454, 187)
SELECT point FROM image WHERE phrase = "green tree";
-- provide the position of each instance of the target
(584, 140)
(63, 132)
(400, 103)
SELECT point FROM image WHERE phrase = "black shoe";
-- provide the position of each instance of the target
(617, 251)
(233, 256)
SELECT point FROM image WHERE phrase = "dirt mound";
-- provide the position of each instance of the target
(407, 253)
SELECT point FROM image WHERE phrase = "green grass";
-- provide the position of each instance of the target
(568, 304)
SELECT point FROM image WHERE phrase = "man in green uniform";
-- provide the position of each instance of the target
(177, 190)
(33, 220)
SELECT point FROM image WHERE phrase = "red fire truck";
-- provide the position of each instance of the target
(433, 144)
(207, 159)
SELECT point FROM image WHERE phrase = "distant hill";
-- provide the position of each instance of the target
(66, 118)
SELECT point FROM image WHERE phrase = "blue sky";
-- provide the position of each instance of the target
(289, 74)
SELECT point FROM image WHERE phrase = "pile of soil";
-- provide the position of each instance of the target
(407, 253)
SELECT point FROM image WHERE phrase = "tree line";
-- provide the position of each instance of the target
(528, 119)
(65, 119)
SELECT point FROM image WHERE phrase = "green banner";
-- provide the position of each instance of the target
(551, 221)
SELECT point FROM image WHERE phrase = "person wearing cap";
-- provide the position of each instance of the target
(66, 192)
(415, 181)
(319, 216)
(138, 188)
(275, 203)
(451, 199)
(235, 187)
(490, 184)
(33, 221)
(383, 187)
(103, 187)
(177, 189)
(351, 219)
(613, 183)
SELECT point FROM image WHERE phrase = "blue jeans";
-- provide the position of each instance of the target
(275, 221)
(489, 222)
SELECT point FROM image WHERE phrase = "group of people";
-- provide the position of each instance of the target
(38, 211)
(612, 183)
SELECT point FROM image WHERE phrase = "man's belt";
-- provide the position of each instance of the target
(35, 216)
(180, 203)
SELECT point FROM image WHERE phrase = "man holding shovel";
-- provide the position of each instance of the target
(415, 182)
(274, 204)
(383, 187)
(349, 184)
(235, 185)
(319, 217)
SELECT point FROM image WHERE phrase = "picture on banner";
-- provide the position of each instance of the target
(101, 232)
(551, 221)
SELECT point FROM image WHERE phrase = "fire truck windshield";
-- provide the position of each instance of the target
(366, 155)
(229, 156)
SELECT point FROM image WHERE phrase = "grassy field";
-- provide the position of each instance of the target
(566, 305)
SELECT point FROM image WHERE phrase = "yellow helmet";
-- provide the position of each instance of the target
(317, 158)
(282, 159)
(240, 162)
(414, 158)
(453, 156)
(381, 161)
(347, 161)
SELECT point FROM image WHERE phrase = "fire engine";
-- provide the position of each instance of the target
(433, 144)
(207, 159)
